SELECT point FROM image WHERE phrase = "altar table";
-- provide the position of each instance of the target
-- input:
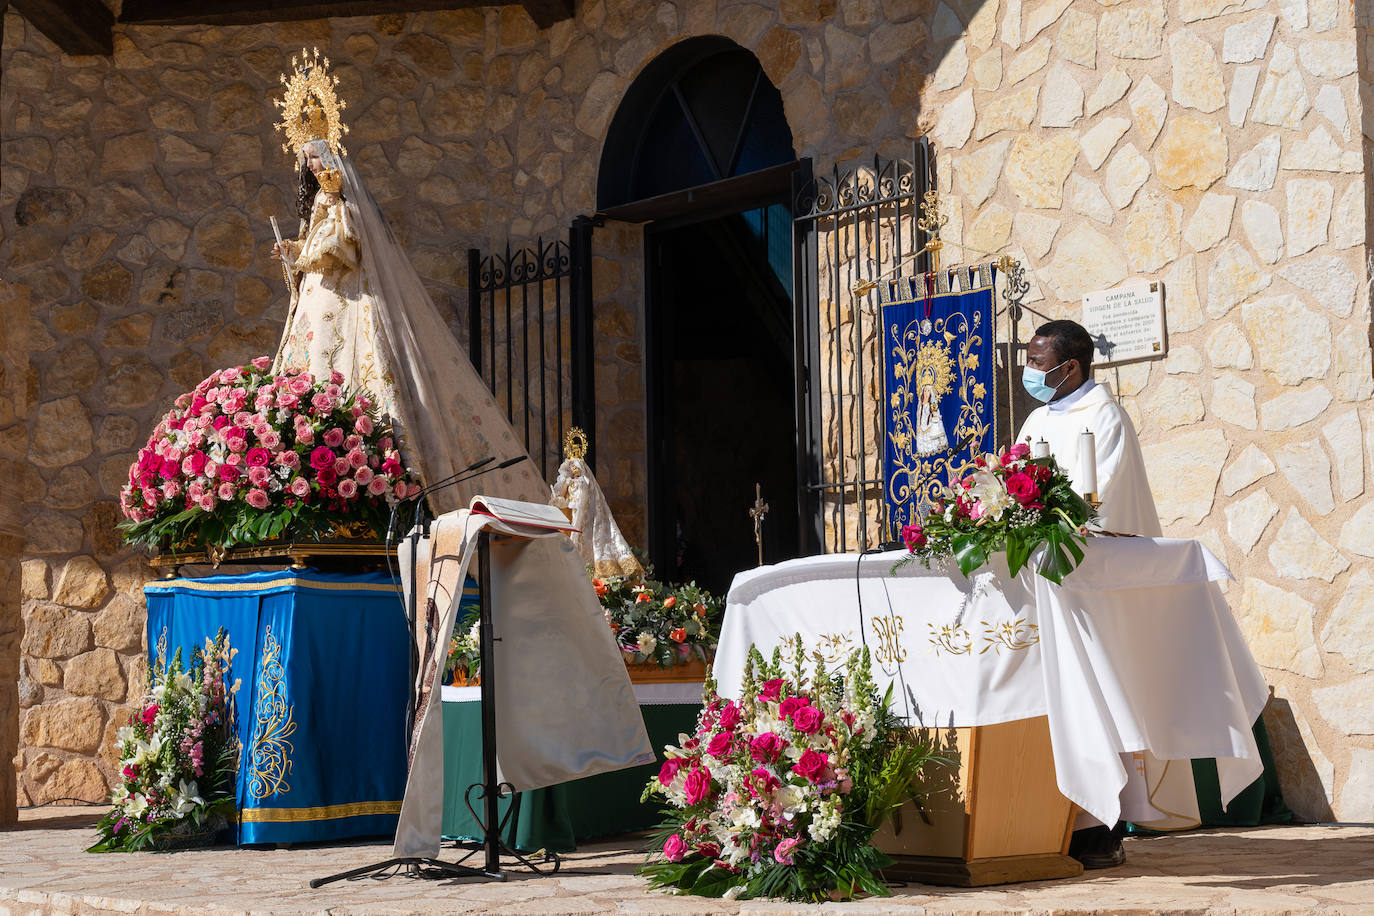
(1135, 655)
(559, 817)
(322, 660)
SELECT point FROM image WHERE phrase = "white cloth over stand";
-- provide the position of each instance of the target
(1136, 652)
(565, 707)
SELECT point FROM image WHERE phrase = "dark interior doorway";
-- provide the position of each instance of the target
(700, 153)
(722, 394)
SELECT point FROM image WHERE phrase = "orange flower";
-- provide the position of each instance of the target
(615, 628)
(600, 588)
(700, 609)
(644, 597)
(669, 602)
(679, 635)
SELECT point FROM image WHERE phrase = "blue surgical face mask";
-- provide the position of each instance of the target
(1034, 381)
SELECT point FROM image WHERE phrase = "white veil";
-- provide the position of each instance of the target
(450, 418)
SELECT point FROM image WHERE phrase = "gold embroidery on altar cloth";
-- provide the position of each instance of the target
(1015, 635)
(830, 647)
(954, 640)
(271, 762)
(888, 631)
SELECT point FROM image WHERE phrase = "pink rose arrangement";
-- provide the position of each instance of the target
(778, 792)
(178, 753)
(1007, 502)
(249, 455)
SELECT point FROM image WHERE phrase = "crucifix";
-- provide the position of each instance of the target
(757, 513)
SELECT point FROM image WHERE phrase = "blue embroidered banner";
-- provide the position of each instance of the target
(323, 662)
(940, 390)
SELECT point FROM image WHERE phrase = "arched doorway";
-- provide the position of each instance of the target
(700, 152)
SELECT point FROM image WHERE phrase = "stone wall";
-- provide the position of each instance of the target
(1213, 143)
(14, 320)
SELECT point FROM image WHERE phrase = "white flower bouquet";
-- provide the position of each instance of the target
(178, 755)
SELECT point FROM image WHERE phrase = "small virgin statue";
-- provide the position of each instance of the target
(359, 309)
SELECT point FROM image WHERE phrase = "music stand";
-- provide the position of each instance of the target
(490, 788)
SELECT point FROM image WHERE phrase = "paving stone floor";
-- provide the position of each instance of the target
(1274, 870)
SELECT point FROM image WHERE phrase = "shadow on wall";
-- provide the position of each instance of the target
(1302, 784)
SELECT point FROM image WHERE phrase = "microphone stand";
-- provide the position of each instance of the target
(410, 604)
(492, 843)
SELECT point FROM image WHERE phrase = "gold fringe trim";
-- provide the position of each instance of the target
(322, 813)
(203, 586)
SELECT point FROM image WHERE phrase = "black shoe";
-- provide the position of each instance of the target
(1098, 847)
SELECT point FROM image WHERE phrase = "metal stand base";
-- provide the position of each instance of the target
(415, 868)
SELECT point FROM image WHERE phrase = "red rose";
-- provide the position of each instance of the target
(678, 635)
(914, 536)
(674, 848)
(668, 772)
(729, 717)
(807, 720)
(697, 785)
(322, 457)
(766, 747)
(258, 457)
(771, 690)
(1018, 451)
(811, 765)
(1022, 487)
(791, 705)
(720, 745)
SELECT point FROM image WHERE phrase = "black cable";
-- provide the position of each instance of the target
(859, 599)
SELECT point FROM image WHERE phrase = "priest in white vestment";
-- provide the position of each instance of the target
(1059, 372)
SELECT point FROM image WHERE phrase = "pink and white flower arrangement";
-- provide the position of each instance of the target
(248, 456)
(178, 754)
(778, 794)
(1006, 502)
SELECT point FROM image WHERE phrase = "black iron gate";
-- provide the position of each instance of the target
(851, 226)
(530, 339)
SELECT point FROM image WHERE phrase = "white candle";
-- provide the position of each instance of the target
(1087, 462)
(1040, 449)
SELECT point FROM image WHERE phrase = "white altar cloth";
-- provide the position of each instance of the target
(1136, 653)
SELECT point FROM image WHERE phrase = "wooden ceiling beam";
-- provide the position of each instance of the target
(254, 12)
(75, 26)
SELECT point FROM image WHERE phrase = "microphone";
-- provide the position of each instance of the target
(453, 477)
(458, 478)
(963, 444)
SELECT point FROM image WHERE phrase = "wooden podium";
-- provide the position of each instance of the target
(993, 815)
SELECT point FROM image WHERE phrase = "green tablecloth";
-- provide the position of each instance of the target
(559, 817)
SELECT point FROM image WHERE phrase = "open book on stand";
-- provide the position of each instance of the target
(516, 512)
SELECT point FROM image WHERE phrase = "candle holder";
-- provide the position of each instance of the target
(1092, 500)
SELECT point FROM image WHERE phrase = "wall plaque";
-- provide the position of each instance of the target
(1127, 322)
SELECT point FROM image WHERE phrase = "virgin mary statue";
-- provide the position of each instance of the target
(359, 309)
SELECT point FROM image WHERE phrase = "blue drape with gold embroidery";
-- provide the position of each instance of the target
(323, 664)
(939, 370)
